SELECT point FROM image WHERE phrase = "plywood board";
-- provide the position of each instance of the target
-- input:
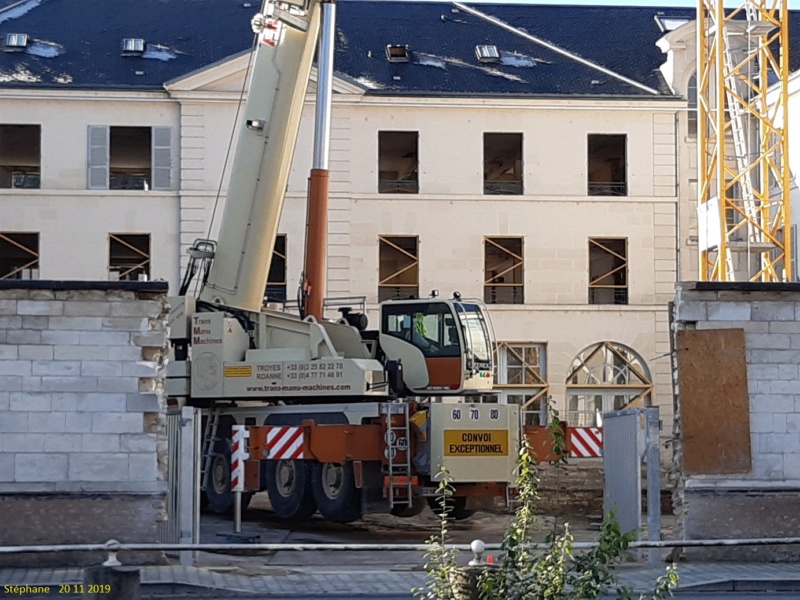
(714, 404)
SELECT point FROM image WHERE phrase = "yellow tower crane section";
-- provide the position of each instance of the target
(744, 218)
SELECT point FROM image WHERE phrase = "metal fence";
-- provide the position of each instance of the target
(169, 530)
(182, 523)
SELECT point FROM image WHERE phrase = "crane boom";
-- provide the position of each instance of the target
(283, 59)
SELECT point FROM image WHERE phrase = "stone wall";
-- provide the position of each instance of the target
(82, 423)
(761, 502)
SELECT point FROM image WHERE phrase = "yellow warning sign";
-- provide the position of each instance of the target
(240, 371)
(475, 442)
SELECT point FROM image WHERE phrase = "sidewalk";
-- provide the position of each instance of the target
(355, 582)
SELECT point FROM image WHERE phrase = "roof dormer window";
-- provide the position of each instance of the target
(396, 53)
(132, 46)
(487, 53)
(16, 41)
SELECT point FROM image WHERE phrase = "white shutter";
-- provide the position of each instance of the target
(97, 168)
(162, 158)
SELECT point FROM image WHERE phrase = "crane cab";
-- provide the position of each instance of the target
(445, 346)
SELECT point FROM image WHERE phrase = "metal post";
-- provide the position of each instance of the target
(653, 483)
(237, 513)
(322, 132)
(189, 481)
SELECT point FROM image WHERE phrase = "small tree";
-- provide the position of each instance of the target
(521, 573)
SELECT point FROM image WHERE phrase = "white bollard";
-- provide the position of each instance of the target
(239, 454)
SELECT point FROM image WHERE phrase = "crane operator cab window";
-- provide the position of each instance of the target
(430, 326)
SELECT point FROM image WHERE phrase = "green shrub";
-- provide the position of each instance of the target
(521, 572)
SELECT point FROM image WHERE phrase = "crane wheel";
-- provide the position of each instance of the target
(218, 495)
(338, 498)
(289, 489)
(457, 506)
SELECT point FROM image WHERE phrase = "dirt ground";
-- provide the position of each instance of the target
(259, 520)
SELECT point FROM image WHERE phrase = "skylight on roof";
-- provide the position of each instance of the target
(16, 41)
(671, 23)
(487, 53)
(132, 45)
(396, 53)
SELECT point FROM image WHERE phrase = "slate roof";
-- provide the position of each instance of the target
(78, 45)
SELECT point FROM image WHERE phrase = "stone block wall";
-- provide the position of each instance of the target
(763, 501)
(82, 422)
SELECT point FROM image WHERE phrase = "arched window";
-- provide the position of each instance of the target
(691, 96)
(605, 377)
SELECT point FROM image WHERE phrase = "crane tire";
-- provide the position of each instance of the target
(218, 495)
(338, 498)
(289, 489)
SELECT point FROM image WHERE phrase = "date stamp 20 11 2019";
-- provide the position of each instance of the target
(62, 588)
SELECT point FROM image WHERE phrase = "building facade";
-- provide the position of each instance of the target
(552, 180)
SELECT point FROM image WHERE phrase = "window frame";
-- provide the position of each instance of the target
(407, 185)
(7, 237)
(390, 242)
(517, 268)
(145, 264)
(607, 188)
(623, 268)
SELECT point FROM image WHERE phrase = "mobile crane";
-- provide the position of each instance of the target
(341, 419)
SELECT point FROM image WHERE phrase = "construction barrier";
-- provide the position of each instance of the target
(585, 442)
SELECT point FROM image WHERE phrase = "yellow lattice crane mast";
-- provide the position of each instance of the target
(744, 176)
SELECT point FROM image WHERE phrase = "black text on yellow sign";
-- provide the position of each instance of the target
(474, 442)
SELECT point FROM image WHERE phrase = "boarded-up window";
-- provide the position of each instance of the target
(129, 257)
(19, 255)
(714, 402)
(276, 280)
(398, 270)
(504, 271)
(608, 271)
(20, 156)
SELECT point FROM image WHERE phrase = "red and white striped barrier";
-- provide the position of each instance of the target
(285, 443)
(239, 454)
(586, 442)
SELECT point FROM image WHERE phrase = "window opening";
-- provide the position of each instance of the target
(605, 377)
(398, 162)
(398, 259)
(608, 271)
(20, 156)
(19, 255)
(522, 378)
(130, 158)
(691, 96)
(276, 279)
(129, 257)
(607, 165)
(504, 271)
(502, 163)
(397, 53)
